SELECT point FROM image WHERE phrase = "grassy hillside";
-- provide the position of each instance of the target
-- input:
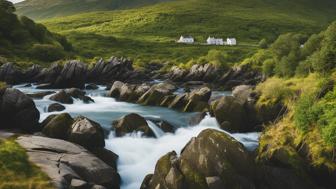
(23, 39)
(149, 32)
(41, 9)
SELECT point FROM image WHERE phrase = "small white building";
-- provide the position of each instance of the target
(215, 41)
(186, 39)
(231, 41)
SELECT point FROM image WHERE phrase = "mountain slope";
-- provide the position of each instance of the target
(41, 9)
(149, 32)
(21, 37)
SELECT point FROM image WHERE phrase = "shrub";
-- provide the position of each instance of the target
(306, 112)
(274, 90)
(263, 44)
(268, 67)
(48, 53)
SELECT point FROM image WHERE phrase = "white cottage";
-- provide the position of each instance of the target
(231, 41)
(186, 39)
(215, 41)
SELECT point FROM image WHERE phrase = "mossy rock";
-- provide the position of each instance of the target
(58, 127)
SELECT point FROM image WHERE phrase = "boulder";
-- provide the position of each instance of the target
(62, 97)
(87, 133)
(91, 86)
(64, 162)
(215, 160)
(156, 94)
(115, 89)
(164, 125)
(198, 100)
(195, 101)
(107, 156)
(58, 126)
(208, 159)
(32, 73)
(11, 74)
(231, 114)
(243, 92)
(79, 94)
(132, 123)
(55, 107)
(114, 69)
(73, 74)
(65, 96)
(18, 111)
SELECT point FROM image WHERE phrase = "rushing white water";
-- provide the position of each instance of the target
(138, 155)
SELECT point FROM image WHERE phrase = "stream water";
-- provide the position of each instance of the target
(138, 155)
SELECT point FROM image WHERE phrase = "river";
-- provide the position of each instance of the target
(138, 155)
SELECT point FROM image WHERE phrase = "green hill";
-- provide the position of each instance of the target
(41, 9)
(149, 32)
(23, 39)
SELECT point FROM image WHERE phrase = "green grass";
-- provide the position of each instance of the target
(148, 33)
(39, 9)
(16, 172)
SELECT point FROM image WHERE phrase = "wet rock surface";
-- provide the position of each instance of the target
(17, 111)
(68, 164)
(213, 159)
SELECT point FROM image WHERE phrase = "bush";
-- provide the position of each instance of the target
(268, 67)
(263, 44)
(48, 53)
(274, 90)
(306, 113)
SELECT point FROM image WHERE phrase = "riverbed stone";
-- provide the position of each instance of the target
(58, 126)
(63, 162)
(62, 97)
(132, 123)
(55, 107)
(18, 111)
(87, 133)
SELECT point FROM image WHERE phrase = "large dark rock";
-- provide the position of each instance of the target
(240, 75)
(73, 74)
(65, 96)
(195, 101)
(124, 92)
(55, 107)
(132, 123)
(69, 164)
(18, 111)
(114, 69)
(11, 74)
(156, 94)
(87, 133)
(198, 72)
(62, 97)
(231, 114)
(58, 126)
(214, 160)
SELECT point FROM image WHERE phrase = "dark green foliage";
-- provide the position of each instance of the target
(18, 36)
(327, 54)
(306, 112)
(263, 43)
(293, 54)
(46, 53)
(310, 112)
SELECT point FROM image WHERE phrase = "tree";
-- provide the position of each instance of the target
(7, 6)
(263, 44)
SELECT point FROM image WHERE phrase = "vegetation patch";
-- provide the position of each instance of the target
(16, 171)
